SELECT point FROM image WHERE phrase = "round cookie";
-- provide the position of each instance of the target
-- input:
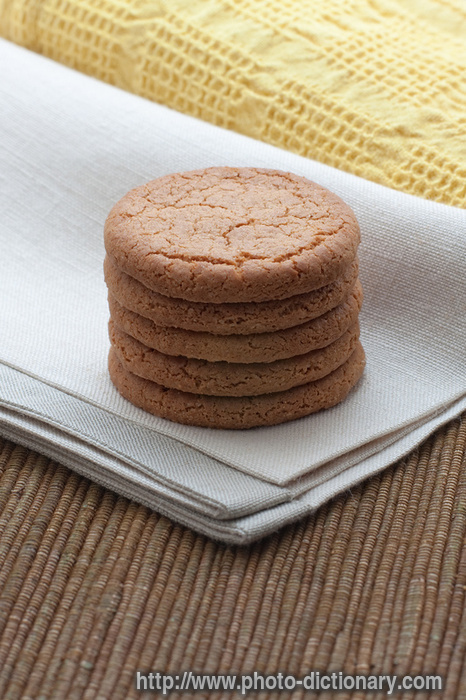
(230, 379)
(256, 347)
(232, 235)
(225, 319)
(238, 412)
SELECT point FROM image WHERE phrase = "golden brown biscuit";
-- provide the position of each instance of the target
(256, 347)
(227, 319)
(238, 412)
(227, 378)
(232, 235)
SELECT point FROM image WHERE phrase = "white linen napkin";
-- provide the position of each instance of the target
(72, 146)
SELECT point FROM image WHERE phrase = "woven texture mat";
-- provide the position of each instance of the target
(94, 587)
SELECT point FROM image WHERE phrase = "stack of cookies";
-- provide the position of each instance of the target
(234, 297)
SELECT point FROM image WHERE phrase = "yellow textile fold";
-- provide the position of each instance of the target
(374, 87)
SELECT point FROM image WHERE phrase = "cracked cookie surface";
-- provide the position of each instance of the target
(255, 347)
(229, 378)
(238, 412)
(241, 318)
(232, 235)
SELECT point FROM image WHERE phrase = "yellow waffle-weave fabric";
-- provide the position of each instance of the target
(374, 87)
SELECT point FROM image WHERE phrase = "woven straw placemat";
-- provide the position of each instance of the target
(94, 587)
